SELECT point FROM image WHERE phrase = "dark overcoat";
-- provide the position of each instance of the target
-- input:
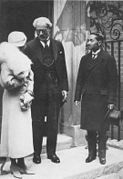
(34, 51)
(96, 88)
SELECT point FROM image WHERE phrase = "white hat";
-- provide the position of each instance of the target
(17, 38)
(42, 22)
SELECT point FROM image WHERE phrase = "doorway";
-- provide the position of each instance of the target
(18, 15)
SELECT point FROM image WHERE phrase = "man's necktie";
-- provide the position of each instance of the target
(94, 56)
(46, 46)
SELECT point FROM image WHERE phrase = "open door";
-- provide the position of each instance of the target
(19, 15)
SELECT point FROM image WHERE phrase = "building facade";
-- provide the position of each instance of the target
(72, 21)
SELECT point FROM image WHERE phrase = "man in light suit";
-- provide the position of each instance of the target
(50, 86)
(96, 88)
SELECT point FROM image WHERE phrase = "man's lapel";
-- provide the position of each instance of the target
(92, 63)
(99, 58)
(38, 49)
(55, 48)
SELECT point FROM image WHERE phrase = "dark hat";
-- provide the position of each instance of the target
(42, 22)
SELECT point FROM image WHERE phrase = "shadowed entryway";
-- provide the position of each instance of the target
(18, 15)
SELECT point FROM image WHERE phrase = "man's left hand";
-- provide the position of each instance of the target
(64, 94)
(111, 106)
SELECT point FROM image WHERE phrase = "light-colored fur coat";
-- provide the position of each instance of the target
(19, 67)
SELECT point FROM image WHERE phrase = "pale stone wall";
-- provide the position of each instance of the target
(70, 29)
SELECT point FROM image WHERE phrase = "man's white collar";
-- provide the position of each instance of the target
(44, 44)
(95, 53)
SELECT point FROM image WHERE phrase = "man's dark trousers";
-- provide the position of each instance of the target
(48, 105)
(94, 138)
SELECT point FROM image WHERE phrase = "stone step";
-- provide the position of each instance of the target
(73, 166)
(63, 142)
(115, 143)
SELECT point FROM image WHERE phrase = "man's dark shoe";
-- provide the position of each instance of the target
(54, 158)
(102, 160)
(37, 159)
(90, 158)
(102, 157)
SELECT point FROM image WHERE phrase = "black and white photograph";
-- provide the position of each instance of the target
(61, 89)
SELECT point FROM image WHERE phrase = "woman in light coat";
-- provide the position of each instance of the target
(17, 80)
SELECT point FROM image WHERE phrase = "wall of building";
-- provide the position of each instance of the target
(72, 21)
(107, 17)
(70, 28)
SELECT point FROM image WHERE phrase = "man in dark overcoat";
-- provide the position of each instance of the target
(50, 86)
(96, 88)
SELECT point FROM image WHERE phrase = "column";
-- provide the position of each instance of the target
(70, 28)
